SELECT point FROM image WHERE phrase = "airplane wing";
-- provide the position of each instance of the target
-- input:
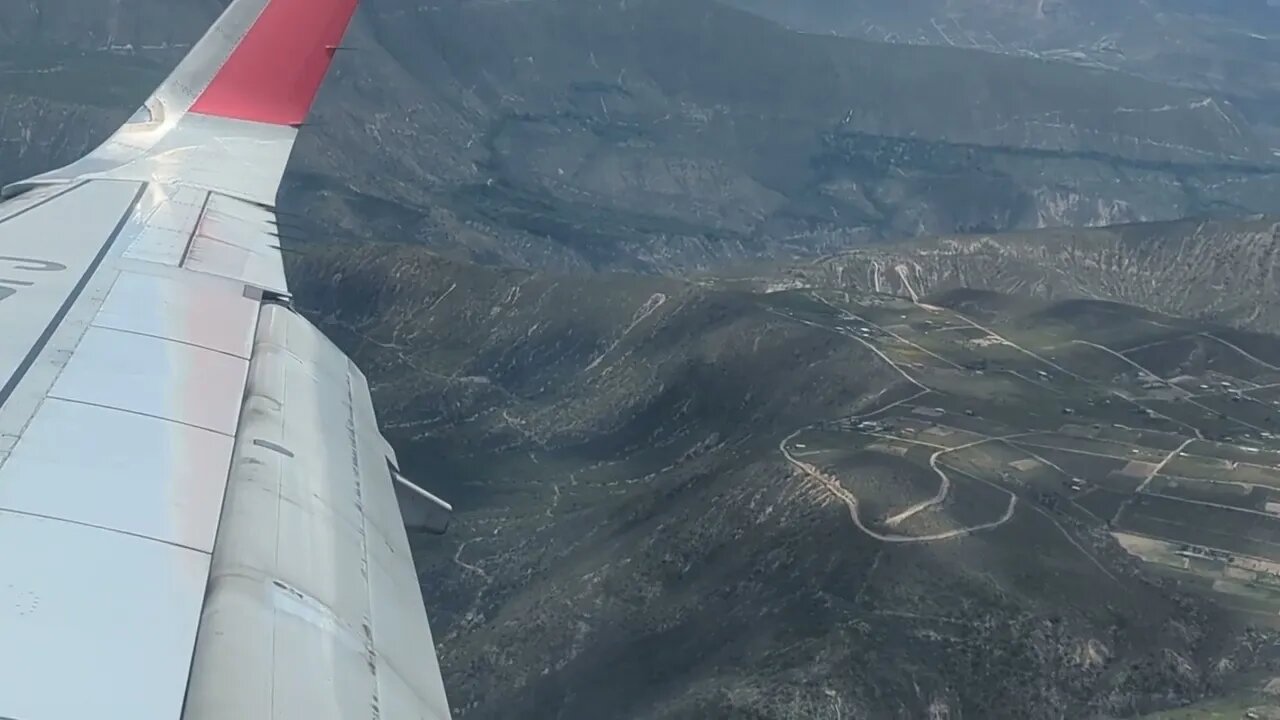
(198, 514)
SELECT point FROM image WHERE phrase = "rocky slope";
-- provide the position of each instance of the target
(631, 544)
(1224, 271)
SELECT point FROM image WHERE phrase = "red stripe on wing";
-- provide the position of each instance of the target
(273, 75)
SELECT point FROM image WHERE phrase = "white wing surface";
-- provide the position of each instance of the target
(198, 515)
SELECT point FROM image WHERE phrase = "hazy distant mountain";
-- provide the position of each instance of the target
(1161, 37)
(1231, 47)
(667, 134)
(909, 480)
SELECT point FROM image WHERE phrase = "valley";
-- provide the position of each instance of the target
(974, 495)
(784, 375)
(1177, 461)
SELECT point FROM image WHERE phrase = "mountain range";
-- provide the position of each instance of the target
(635, 538)
(824, 371)
(657, 135)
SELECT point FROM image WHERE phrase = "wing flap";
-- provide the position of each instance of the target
(184, 463)
(236, 239)
(312, 584)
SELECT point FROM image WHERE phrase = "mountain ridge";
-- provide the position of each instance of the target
(1223, 271)
(632, 147)
(630, 541)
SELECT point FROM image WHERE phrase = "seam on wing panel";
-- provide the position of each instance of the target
(195, 230)
(366, 570)
(207, 209)
(41, 342)
(222, 509)
(279, 500)
(104, 528)
(166, 338)
(46, 201)
(135, 412)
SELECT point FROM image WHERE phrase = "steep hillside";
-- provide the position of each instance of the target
(706, 499)
(649, 526)
(1227, 271)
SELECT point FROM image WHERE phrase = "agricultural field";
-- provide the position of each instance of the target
(1152, 434)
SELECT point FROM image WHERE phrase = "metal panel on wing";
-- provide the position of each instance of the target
(181, 543)
(161, 229)
(237, 240)
(399, 622)
(156, 377)
(38, 196)
(45, 254)
(95, 623)
(118, 470)
(206, 312)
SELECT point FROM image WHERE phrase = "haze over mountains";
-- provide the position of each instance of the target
(660, 135)
(1226, 45)
(761, 365)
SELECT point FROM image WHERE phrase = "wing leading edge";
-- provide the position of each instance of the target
(226, 118)
(198, 511)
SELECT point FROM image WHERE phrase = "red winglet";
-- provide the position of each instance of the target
(273, 75)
